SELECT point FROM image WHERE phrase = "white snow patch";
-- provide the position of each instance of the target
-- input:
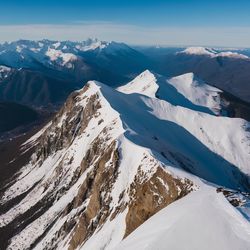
(145, 84)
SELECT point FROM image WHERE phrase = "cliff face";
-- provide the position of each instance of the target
(105, 164)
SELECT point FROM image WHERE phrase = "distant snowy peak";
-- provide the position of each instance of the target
(4, 69)
(212, 53)
(198, 51)
(145, 83)
(62, 58)
(232, 55)
(91, 44)
(65, 46)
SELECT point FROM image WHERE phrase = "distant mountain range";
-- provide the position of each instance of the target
(42, 73)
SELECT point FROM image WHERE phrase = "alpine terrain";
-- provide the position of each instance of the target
(157, 163)
(43, 73)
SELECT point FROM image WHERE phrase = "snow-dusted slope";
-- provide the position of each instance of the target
(109, 161)
(216, 133)
(25, 53)
(198, 51)
(197, 91)
(58, 56)
(202, 220)
(185, 90)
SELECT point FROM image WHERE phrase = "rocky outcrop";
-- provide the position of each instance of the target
(149, 196)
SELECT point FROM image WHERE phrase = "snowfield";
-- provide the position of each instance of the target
(202, 220)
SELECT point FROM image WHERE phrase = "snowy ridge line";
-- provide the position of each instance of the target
(113, 164)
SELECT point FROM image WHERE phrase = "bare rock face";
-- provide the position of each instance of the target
(149, 196)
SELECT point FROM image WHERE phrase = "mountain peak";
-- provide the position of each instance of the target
(146, 73)
(184, 90)
(108, 161)
(145, 83)
(198, 51)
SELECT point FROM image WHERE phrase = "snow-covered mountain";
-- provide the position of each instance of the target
(226, 70)
(112, 159)
(31, 54)
(184, 90)
(39, 68)
(213, 53)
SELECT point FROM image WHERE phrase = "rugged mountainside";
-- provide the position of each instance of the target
(46, 65)
(111, 159)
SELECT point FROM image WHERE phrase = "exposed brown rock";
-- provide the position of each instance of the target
(149, 197)
(96, 187)
(236, 198)
(77, 119)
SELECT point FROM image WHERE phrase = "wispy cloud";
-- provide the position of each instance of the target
(132, 34)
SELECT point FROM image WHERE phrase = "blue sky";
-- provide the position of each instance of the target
(169, 22)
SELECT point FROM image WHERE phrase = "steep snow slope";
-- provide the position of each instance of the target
(108, 161)
(60, 57)
(202, 220)
(185, 90)
(217, 133)
(145, 83)
(197, 91)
